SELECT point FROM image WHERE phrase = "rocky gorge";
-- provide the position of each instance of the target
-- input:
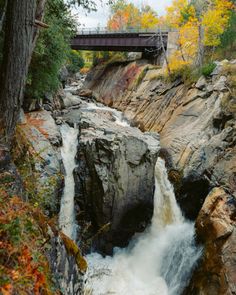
(196, 124)
(191, 126)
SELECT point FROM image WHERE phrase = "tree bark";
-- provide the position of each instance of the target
(200, 52)
(3, 14)
(17, 51)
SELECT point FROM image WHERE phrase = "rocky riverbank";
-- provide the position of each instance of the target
(196, 123)
(197, 131)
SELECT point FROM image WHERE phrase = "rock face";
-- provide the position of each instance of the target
(196, 124)
(115, 174)
(37, 158)
(216, 229)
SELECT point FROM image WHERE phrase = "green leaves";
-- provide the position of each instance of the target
(52, 50)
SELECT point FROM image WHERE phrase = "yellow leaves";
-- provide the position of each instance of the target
(215, 20)
(174, 17)
(176, 62)
(149, 20)
(188, 40)
(188, 18)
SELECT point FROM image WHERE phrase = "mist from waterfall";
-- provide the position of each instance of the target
(68, 152)
(157, 262)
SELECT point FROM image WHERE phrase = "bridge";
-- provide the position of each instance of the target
(132, 40)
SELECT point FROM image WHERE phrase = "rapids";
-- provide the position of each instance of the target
(156, 262)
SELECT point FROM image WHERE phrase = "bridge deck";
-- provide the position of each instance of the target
(139, 41)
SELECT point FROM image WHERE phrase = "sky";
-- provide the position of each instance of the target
(100, 17)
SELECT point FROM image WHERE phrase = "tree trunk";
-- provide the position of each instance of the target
(3, 14)
(200, 52)
(17, 51)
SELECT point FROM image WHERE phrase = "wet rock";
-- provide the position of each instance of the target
(115, 175)
(216, 229)
(71, 100)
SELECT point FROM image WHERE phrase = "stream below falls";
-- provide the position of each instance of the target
(158, 261)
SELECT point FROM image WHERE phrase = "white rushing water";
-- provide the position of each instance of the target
(158, 261)
(117, 115)
(68, 152)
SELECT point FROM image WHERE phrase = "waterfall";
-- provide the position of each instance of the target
(158, 261)
(68, 152)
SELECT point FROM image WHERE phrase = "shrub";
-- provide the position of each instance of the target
(208, 69)
(24, 268)
(51, 51)
(75, 61)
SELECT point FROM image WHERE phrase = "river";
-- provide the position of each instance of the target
(157, 262)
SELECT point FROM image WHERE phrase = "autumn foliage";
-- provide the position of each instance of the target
(125, 15)
(200, 25)
(24, 268)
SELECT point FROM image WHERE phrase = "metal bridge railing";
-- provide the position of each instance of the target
(97, 31)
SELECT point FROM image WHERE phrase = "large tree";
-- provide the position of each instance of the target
(20, 36)
(22, 21)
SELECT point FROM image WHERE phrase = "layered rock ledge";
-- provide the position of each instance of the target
(196, 123)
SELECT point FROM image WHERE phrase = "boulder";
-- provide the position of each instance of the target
(85, 93)
(220, 84)
(216, 229)
(201, 83)
(115, 174)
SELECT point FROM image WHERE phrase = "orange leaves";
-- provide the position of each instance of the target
(123, 18)
(24, 268)
(6, 289)
(128, 16)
